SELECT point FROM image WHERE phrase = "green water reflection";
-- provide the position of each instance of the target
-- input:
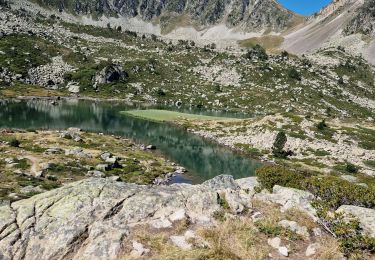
(202, 158)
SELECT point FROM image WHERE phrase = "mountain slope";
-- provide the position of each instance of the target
(322, 28)
(249, 15)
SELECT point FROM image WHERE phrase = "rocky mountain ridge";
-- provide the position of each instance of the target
(248, 15)
(225, 23)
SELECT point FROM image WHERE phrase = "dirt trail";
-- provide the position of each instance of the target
(34, 169)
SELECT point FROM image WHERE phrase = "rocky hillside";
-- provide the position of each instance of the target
(249, 15)
(322, 28)
(364, 21)
(342, 23)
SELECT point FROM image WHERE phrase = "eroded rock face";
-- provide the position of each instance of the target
(111, 73)
(91, 219)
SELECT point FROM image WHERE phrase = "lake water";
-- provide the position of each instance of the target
(203, 159)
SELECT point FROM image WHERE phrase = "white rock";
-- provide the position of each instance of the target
(189, 234)
(256, 216)
(236, 200)
(161, 223)
(180, 242)
(9, 160)
(289, 198)
(283, 251)
(317, 232)
(104, 213)
(274, 242)
(294, 227)
(138, 250)
(311, 249)
(178, 215)
(248, 183)
(96, 174)
(73, 87)
(349, 178)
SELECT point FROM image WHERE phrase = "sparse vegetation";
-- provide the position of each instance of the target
(139, 166)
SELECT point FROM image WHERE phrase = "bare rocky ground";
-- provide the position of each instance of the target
(45, 160)
(320, 149)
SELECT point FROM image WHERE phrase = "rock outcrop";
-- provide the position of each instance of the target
(111, 73)
(289, 198)
(91, 219)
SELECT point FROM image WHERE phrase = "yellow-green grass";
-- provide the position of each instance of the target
(169, 116)
(267, 42)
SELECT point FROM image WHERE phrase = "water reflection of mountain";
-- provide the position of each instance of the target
(199, 156)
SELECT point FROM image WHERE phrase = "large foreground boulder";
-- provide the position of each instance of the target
(93, 218)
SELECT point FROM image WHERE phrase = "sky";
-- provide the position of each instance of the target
(304, 7)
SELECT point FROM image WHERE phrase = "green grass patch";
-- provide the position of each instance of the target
(268, 42)
(169, 116)
(370, 163)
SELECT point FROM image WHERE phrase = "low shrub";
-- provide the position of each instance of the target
(335, 192)
(268, 229)
(350, 236)
(367, 145)
(370, 163)
(351, 168)
(294, 74)
(332, 190)
(257, 52)
(322, 125)
(219, 215)
(353, 242)
(222, 201)
(14, 143)
(269, 176)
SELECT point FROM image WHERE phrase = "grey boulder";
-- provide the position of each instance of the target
(93, 218)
